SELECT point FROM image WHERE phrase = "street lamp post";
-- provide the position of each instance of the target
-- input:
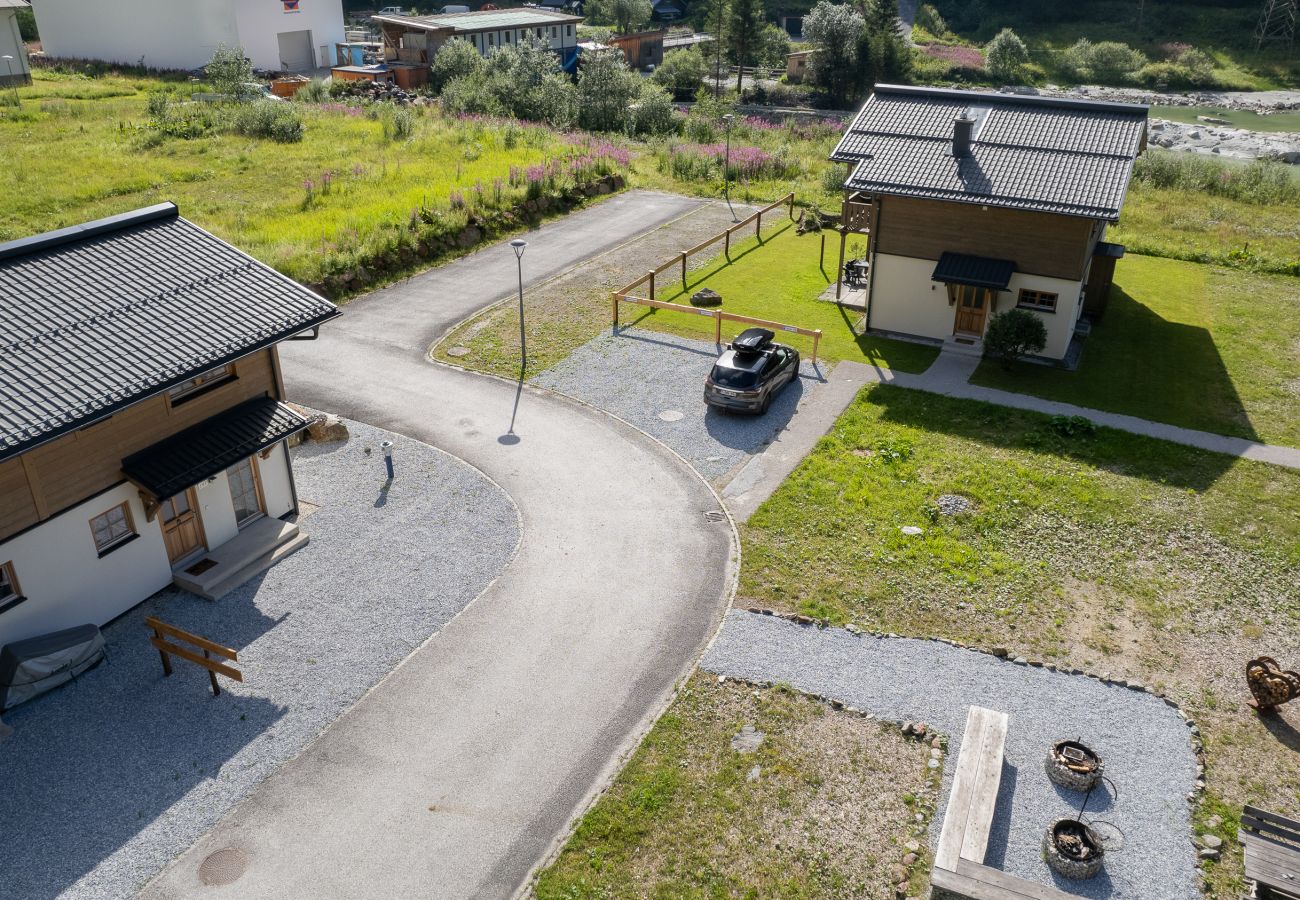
(726, 167)
(518, 246)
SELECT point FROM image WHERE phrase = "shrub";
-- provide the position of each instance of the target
(314, 91)
(605, 91)
(835, 31)
(399, 124)
(1014, 334)
(1006, 53)
(557, 101)
(1112, 61)
(928, 18)
(1072, 426)
(682, 72)
(279, 122)
(231, 73)
(470, 94)
(654, 113)
(455, 59)
(158, 105)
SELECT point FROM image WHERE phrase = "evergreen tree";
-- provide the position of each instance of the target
(745, 34)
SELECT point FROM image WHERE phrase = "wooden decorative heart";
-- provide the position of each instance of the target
(1270, 684)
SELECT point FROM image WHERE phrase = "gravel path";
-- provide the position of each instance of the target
(656, 382)
(108, 779)
(1144, 742)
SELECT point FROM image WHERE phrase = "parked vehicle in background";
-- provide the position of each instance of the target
(391, 11)
(750, 372)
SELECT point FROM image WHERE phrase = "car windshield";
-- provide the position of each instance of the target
(725, 376)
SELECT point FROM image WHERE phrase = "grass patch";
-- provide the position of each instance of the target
(778, 278)
(1191, 345)
(1109, 552)
(827, 815)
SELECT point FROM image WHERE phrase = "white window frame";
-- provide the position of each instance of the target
(116, 537)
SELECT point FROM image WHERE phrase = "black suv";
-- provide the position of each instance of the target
(751, 372)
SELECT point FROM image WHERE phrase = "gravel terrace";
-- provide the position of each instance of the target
(1145, 743)
(107, 779)
(656, 382)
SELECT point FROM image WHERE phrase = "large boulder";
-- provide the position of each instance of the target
(327, 428)
(706, 297)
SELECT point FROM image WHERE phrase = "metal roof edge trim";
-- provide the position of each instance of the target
(914, 90)
(1013, 203)
(37, 243)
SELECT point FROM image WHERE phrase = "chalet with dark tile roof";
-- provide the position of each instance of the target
(978, 202)
(141, 425)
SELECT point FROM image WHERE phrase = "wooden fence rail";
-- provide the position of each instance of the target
(719, 317)
(725, 236)
(166, 650)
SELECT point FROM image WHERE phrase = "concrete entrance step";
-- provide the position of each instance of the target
(962, 345)
(255, 549)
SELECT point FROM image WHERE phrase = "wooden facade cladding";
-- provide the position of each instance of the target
(52, 477)
(1039, 243)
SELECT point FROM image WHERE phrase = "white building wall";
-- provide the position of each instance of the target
(260, 22)
(65, 580)
(161, 34)
(216, 510)
(905, 300)
(277, 490)
(11, 44)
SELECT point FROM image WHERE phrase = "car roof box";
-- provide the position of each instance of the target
(752, 340)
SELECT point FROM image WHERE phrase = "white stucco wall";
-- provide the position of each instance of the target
(11, 44)
(276, 489)
(163, 34)
(216, 510)
(182, 34)
(905, 300)
(65, 580)
(260, 22)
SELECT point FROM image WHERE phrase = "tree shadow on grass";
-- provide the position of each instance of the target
(1003, 427)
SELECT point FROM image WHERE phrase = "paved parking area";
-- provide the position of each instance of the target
(656, 382)
(109, 778)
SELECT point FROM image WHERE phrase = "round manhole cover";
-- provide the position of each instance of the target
(223, 866)
(671, 415)
(458, 351)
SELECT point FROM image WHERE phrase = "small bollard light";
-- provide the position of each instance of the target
(387, 447)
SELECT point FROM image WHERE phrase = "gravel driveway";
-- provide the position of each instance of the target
(1144, 742)
(108, 779)
(656, 382)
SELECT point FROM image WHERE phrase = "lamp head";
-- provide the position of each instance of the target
(518, 245)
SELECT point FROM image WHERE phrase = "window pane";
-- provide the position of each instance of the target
(6, 583)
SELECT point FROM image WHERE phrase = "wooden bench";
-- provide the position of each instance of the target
(1271, 846)
(959, 872)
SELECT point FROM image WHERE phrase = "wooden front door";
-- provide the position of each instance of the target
(180, 525)
(972, 308)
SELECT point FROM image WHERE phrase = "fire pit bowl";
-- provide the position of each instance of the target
(1072, 849)
(1073, 765)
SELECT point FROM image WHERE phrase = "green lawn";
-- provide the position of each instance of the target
(1192, 345)
(1109, 552)
(84, 154)
(822, 809)
(779, 279)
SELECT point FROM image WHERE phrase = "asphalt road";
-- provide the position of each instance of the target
(459, 772)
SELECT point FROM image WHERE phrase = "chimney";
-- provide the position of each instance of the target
(963, 127)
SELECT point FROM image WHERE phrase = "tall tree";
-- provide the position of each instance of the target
(887, 55)
(835, 31)
(745, 34)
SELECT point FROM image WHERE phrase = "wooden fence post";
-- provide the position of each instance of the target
(614, 296)
(652, 285)
(166, 660)
(726, 246)
(817, 339)
(792, 206)
(758, 224)
(683, 270)
(717, 328)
